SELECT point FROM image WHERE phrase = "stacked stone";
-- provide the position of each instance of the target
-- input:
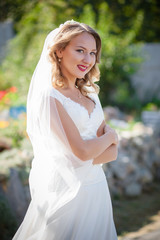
(14, 171)
(137, 165)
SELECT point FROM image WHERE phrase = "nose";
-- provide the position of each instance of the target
(87, 58)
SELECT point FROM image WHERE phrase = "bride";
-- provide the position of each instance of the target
(70, 199)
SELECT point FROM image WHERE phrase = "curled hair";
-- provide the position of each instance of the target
(67, 32)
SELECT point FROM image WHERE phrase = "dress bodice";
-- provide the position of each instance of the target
(86, 123)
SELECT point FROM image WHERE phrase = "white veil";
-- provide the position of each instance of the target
(56, 173)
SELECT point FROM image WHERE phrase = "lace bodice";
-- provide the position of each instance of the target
(86, 123)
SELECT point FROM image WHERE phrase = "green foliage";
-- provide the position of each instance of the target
(152, 106)
(124, 13)
(25, 48)
(15, 130)
(10, 98)
(120, 58)
(12, 9)
(8, 223)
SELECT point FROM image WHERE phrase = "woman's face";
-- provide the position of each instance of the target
(78, 57)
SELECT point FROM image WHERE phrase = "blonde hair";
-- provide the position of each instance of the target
(67, 32)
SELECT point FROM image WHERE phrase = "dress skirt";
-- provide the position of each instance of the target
(86, 217)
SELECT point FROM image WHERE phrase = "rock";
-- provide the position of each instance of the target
(123, 143)
(119, 123)
(157, 173)
(132, 151)
(122, 167)
(157, 153)
(5, 144)
(26, 145)
(26, 155)
(5, 155)
(141, 129)
(133, 190)
(115, 189)
(27, 194)
(112, 113)
(15, 195)
(137, 142)
(119, 171)
(145, 176)
(137, 165)
(4, 115)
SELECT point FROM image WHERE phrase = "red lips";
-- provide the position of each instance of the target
(82, 67)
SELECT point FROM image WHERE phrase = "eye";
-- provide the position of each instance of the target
(80, 50)
(93, 53)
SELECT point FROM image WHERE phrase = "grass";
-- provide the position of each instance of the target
(129, 126)
(131, 214)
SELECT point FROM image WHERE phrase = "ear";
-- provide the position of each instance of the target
(59, 53)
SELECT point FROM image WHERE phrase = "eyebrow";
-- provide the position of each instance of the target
(86, 49)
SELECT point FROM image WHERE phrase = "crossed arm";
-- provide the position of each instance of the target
(110, 153)
(102, 148)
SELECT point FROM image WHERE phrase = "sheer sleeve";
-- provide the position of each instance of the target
(57, 173)
(54, 94)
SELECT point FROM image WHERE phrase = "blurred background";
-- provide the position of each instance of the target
(130, 96)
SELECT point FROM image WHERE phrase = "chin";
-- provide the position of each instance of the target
(80, 76)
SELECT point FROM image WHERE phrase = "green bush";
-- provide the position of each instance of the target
(24, 50)
(120, 58)
(16, 130)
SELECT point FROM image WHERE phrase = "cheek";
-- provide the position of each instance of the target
(93, 61)
(71, 55)
(95, 58)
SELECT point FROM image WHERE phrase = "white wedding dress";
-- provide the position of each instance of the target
(88, 216)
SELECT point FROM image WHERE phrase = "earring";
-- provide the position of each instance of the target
(59, 60)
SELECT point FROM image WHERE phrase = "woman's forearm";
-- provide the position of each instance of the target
(83, 149)
(94, 147)
(110, 154)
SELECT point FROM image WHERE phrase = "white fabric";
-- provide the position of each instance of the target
(70, 198)
(89, 214)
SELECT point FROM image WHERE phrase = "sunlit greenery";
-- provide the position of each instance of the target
(119, 56)
(120, 24)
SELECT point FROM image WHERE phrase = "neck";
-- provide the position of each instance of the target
(71, 84)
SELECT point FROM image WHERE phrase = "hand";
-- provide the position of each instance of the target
(107, 129)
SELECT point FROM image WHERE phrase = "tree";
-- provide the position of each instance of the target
(119, 58)
(124, 12)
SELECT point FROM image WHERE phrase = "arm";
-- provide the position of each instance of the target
(84, 149)
(100, 130)
(110, 154)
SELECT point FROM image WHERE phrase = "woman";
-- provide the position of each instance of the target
(65, 123)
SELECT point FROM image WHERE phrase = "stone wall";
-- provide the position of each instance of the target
(6, 33)
(137, 166)
(14, 171)
(147, 80)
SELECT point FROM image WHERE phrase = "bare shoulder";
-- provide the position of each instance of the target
(63, 91)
